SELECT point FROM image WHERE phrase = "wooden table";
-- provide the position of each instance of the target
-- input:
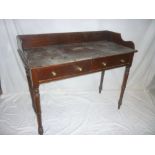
(50, 57)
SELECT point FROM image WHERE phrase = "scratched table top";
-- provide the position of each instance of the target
(65, 53)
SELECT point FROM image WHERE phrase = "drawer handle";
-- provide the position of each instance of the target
(122, 60)
(54, 73)
(79, 68)
(104, 64)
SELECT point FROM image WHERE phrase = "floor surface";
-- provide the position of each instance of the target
(79, 113)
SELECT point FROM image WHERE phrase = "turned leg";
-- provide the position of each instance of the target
(126, 74)
(36, 102)
(101, 81)
(30, 89)
(35, 96)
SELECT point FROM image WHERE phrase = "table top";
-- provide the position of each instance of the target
(65, 53)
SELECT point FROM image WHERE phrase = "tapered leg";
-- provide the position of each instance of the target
(36, 102)
(30, 89)
(101, 81)
(35, 96)
(126, 74)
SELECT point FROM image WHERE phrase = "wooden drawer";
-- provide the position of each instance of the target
(111, 62)
(64, 70)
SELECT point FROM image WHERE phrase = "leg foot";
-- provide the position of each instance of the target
(100, 90)
(119, 104)
(40, 130)
(40, 127)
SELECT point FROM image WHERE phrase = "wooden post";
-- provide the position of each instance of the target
(126, 74)
(36, 102)
(35, 96)
(101, 81)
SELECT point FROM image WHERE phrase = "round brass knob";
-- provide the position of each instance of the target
(79, 68)
(122, 60)
(54, 73)
(104, 64)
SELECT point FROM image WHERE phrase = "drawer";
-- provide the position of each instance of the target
(112, 61)
(64, 70)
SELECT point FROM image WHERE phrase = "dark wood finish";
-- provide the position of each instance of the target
(126, 74)
(36, 100)
(50, 57)
(101, 81)
(38, 40)
(0, 89)
(63, 70)
(111, 61)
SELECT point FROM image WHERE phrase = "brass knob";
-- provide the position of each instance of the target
(54, 73)
(122, 60)
(104, 64)
(79, 68)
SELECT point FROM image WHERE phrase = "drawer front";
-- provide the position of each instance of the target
(111, 62)
(64, 70)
